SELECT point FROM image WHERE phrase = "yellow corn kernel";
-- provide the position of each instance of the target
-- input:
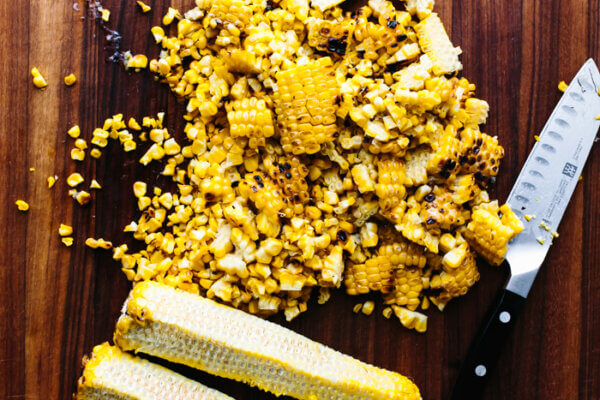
(38, 79)
(387, 312)
(138, 61)
(82, 197)
(51, 181)
(171, 14)
(368, 307)
(411, 319)
(562, 86)
(81, 144)
(77, 154)
(105, 14)
(139, 189)
(74, 131)
(22, 205)
(96, 153)
(95, 185)
(65, 230)
(67, 241)
(129, 145)
(357, 307)
(70, 80)
(74, 179)
(145, 7)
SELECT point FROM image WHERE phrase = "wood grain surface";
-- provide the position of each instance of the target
(56, 303)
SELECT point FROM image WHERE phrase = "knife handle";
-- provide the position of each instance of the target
(487, 346)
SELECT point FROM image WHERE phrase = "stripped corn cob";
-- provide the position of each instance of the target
(184, 328)
(305, 106)
(488, 234)
(113, 374)
(251, 118)
(434, 40)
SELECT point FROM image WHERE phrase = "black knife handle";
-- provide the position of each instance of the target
(487, 346)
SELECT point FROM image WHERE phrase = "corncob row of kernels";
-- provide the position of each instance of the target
(481, 154)
(305, 106)
(455, 282)
(250, 118)
(390, 182)
(407, 287)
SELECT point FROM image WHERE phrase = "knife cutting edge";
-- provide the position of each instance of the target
(539, 198)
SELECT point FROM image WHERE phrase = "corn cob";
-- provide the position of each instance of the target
(489, 234)
(374, 275)
(187, 329)
(407, 287)
(454, 281)
(113, 374)
(305, 106)
(250, 118)
(435, 42)
(480, 155)
(390, 182)
(440, 209)
(403, 252)
(330, 36)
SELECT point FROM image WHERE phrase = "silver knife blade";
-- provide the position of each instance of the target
(550, 174)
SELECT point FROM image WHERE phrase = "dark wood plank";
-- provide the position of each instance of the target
(56, 303)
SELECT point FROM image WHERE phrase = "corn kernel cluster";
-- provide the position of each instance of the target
(322, 148)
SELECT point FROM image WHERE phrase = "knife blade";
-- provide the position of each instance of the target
(541, 192)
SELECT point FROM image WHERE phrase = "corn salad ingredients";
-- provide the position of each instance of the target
(110, 373)
(184, 328)
(321, 148)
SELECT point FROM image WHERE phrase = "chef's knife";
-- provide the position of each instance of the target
(542, 192)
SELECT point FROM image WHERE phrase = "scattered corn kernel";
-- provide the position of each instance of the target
(357, 307)
(38, 79)
(554, 234)
(51, 181)
(562, 86)
(65, 230)
(82, 197)
(96, 153)
(139, 189)
(98, 243)
(545, 226)
(74, 179)
(22, 205)
(67, 241)
(368, 307)
(74, 131)
(77, 154)
(70, 80)
(95, 185)
(137, 62)
(145, 7)
(536, 137)
(105, 14)
(541, 240)
(529, 217)
(171, 14)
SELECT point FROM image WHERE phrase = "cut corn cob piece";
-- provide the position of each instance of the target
(305, 106)
(113, 374)
(200, 333)
(435, 42)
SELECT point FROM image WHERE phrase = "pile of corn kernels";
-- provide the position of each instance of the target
(323, 149)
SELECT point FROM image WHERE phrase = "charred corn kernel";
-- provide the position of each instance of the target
(82, 197)
(22, 205)
(70, 80)
(154, 309)
(138, 61)
(489, 235)
(51, 181)
(480, 154)
(96, 153)
(38, 79)
(368, 307)
(95, 185)
(104, 14)
(77, 154)
(308, 121)
(74, 131)
(74, 179)
(111, 372)
(143, 6)
(434, 41)
(562, 86)
(65, 230)
(67, 241)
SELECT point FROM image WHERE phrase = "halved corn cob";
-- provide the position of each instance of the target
(200, 333)
(115, 375)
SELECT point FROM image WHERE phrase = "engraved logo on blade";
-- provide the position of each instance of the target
(569, 170)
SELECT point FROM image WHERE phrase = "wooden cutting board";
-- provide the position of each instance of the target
(57, 302)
